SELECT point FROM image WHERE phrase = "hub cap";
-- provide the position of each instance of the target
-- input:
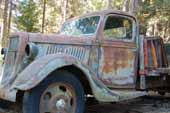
(60, 104)
(58, 98)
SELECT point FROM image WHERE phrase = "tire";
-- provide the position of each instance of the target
(39, 99)
(161, 93)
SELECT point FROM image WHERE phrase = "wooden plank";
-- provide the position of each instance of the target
(154, 57)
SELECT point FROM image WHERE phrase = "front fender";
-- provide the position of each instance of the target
(39, 69)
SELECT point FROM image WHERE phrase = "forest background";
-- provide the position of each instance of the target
(47, 16)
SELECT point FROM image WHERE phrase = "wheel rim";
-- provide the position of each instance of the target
(58, 98)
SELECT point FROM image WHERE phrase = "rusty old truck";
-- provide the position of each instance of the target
(99, 55)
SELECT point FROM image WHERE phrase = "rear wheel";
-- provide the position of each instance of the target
(161, 93)
(62, 93)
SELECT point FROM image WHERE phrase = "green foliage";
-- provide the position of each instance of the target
(152, 14)
(28, 18)
(155, 14)
(31, 15)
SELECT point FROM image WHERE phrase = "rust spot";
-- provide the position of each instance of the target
(115, 58)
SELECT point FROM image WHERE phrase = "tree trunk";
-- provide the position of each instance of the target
(64, 9)
(5, 24)
(155, 32)
(165, 29)
(9, 19)
(133, 6)
(1, 2)
(44, 11)
(109, 4)
(126, 5)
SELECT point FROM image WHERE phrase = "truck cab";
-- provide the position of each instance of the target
(99, 54)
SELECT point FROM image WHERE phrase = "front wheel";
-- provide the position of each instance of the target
(62, 93)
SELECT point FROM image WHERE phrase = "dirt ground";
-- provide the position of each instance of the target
(147, 104)
(155, 104)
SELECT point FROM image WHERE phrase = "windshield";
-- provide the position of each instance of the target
(83, 26)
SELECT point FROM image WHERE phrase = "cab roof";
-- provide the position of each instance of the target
(102, 13)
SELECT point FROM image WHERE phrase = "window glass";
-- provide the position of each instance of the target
(82, 26)
(118, 28)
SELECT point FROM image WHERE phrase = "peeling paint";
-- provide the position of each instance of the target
(106, 64)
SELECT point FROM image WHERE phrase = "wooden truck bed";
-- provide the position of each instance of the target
(154, 69)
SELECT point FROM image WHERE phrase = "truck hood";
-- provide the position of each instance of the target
(60, 39)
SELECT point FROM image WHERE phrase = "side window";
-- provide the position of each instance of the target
(117, 27)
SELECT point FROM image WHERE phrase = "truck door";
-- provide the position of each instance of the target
(118, 52)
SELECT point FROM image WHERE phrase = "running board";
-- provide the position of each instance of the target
(126, 95)
(107, 95)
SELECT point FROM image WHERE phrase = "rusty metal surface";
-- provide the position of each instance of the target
(45, 65)
(104, 63)
(61, 39)
(118, 58)
(117, 64)
(103, 13)
(42, 67)
(13, 62)
(51, 62)
(64, 101)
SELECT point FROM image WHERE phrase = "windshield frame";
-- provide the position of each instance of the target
(83, 17)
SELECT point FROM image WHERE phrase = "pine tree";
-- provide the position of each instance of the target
(5, 24)
(29, 16)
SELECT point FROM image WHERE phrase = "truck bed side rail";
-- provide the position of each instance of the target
(154, 57)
